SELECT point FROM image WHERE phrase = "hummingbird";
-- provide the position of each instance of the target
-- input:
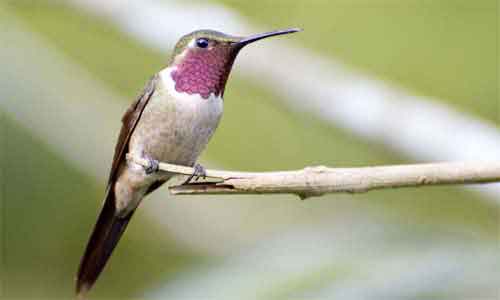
(171, 121)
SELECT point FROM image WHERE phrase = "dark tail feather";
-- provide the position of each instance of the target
(106, 234)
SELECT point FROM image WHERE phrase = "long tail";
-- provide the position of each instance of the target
(106, 234)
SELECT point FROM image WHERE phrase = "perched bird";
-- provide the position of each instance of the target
(171, 121)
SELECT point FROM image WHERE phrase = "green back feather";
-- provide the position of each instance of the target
(203, 33)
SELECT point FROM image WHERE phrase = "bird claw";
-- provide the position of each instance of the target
(153, 166)
(199, 171)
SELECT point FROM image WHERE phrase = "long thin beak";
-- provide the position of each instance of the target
(256, 37)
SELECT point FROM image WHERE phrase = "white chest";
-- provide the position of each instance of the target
(207, 111)
(175, 127)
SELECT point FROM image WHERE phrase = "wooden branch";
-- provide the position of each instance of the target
(316, 181)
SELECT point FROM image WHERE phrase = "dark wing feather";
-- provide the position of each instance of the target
(129, 121)
(103, 240)
(110, 227)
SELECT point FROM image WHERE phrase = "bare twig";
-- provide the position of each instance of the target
(316, 181)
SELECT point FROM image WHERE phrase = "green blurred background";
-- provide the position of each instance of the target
(68, 74)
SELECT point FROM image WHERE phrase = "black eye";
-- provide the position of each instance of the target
(202, 43)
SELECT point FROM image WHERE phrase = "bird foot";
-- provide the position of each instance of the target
(199, 171)
(153, 166)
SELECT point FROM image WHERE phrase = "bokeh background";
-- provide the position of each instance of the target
(368, 82)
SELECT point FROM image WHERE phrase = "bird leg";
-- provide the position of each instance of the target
(152, 167)
(199, 171)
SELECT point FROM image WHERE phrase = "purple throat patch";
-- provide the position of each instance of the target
(203, 71)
